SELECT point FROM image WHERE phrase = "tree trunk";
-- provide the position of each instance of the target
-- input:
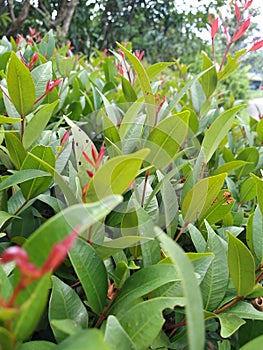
(17, 21)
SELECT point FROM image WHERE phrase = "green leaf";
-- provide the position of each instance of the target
(253, 344)
(116, 336)
(141, 328)
(245, 310)
(33, 305)
(241, 266)
(250, 155)
(259, 189)
(21, 87)
(89, 339)
(65, 65)
(157, 68)
(231, 65)
(5, 285)
(33, 188)
(65, 327)
(209, 79)
(217, 131)
(166, 138)
(191, 291)
(143, 282)
(5, 217)
(22, 176)
(36, 345)
(145, 85)
(257, 234)
(65, 304)
(112, 138)
(230, 167)
(37, 124)
(92, 274)
(181, 93)
(214, 284)
(247, 190)
(128, 90)
(219, 208)
(80, 216)
(114, 176)
(229, 324)
(9, 120)
(199, 199)
(41, 75)
(15, 149)
(6, 339)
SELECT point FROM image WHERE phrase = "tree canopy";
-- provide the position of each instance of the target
(164, 28)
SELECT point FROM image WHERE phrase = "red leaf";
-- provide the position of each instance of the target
(248, 4)
(256, 46)
(237, 12)
(243, 28)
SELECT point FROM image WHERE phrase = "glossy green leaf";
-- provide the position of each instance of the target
(199, 199)
(257, 234)
(217, 131)
(41, 75)
(129, 118)
(230, 167)
(191, 291)
(245, 310)
(5, 285)
(115, 175)
(250, 155)
(80, 216)
(9, 120)
(197, 238)
(198, 97)
(116, 336)
(219, 208)
(209, 79)
(65, 327)
(229, 324)
(65, 65)
(214, 284)
(143, 282)
(181, 93)
(111, 137)
(59, 180)
(36, 345)
(32, 188)
(15, 149)
(259, 190)
(65, 304)
(241, 266)
(90, 339)
(256, 343)
(166, 138)
(128, 90)
(247, 190)
(6, 339)
(22, 176)
(37, 124)
(92, 274)
(33, 305)
(156, 68)
(5, 217)
(231, 65)
(145, 85)
(21, 87)
(141, 328)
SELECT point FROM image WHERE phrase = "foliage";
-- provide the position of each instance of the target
(165, 29)
(146, 191)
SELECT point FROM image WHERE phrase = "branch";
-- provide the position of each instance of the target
(17, 21)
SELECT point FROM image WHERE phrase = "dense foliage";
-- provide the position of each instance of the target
(165, 29)
(131, 208)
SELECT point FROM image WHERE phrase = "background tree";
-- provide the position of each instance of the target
(165, 29)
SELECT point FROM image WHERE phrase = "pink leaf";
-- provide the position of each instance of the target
(243, 28)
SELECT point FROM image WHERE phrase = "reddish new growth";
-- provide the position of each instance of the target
(33, 37)
(32, 62)
(29, 271)
(125, 68)
(95, 162)
(49, 87)
(241, 28)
